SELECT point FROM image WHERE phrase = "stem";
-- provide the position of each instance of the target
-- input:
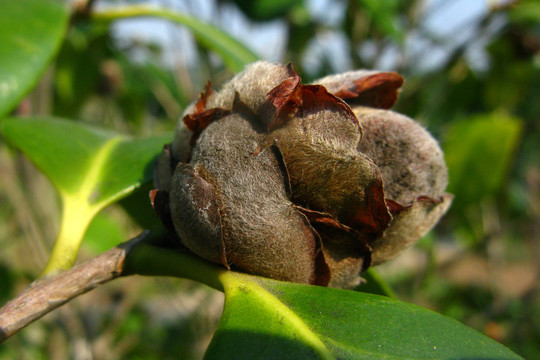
(139, 11)
(136, 256)
(48, 293)
(149, 260)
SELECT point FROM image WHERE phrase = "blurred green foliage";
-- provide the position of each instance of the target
(493, 139)
(479, 266)
(264, 10)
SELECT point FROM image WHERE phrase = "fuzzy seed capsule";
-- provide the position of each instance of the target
(303, 183)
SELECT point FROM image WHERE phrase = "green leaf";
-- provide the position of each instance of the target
(91, 168)
(269, 319)
(234, 54)
(137, 206)
(103, 233)
(31, 34)
(479, 151)
(525, 11)
(78, 69)
(385, 14)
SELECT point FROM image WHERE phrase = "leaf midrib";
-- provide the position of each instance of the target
(234, 282)
(237, 284)
(85, 192)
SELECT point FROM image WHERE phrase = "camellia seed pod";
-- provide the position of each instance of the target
(303, 183)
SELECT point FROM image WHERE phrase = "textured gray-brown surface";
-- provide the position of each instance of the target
(304, 183)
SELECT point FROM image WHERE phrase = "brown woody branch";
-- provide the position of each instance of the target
(147, 254)
(46, 294)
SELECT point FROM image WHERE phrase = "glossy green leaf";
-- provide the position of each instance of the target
(267, 319)
(90, 168)
(31, 34)
(479, 152)
(234, 54)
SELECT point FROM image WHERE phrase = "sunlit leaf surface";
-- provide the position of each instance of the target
(90, 168)
(31, 31)
(267, 319)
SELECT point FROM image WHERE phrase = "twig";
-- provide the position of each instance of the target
(141, 255)
(47, 294)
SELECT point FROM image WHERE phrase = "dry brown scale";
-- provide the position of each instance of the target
(304, 183)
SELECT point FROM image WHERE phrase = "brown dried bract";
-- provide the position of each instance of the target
(317, 135)
(199, 121)
(378, 90)
(291, 98)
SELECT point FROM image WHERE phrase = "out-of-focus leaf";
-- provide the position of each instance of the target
(139, 208)
(525, 11)
(263, 10)
(276, 320)
(148, 80)
(373, 283)
(78, 68)
(234, 54)
(479, 152)
(90, 168)
(103, 233)
(31, 31)
(6, 283)
(385, 16)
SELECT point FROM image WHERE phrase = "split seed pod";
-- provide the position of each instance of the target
(303, 183)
